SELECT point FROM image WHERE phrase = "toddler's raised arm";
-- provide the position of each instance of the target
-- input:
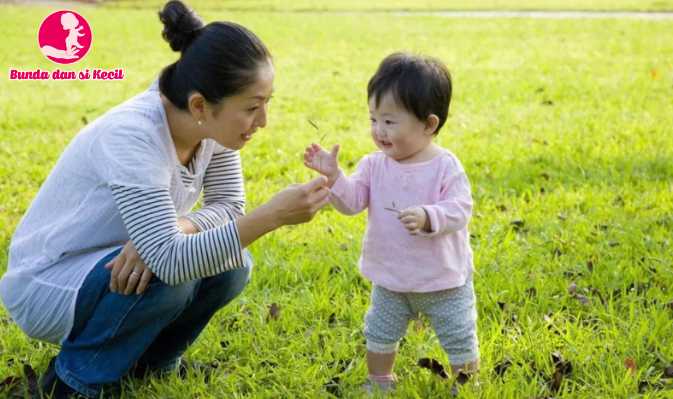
(350, 195)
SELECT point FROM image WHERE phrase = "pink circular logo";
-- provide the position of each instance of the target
(64, 37)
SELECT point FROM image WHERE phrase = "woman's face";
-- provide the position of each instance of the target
(238, 117)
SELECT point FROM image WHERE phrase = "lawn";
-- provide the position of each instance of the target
(565, 128)
(370, 5)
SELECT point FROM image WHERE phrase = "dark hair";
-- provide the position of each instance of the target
(422, 85)
(218, 60)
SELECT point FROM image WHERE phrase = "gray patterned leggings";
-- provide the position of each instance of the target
(452, 314)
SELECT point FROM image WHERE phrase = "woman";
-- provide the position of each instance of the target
(131, 179)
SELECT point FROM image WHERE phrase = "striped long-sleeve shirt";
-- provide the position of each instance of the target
(223, 191)
(151, 220)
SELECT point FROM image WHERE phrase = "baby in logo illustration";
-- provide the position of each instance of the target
(69, 22)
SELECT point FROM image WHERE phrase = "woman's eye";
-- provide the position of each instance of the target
(253, 109)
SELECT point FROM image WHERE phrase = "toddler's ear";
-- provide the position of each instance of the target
(431, 124)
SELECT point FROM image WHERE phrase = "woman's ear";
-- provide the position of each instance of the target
(431, 124)
(197, 106)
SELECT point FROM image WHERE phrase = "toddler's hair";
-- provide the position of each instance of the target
(422, 85)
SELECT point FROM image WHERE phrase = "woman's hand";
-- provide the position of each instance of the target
(298, 203)
(323, 162)
(414, 219)
(129, 271)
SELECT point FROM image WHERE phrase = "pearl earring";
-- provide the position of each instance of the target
(199, 123)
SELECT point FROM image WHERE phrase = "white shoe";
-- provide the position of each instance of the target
(371, 387)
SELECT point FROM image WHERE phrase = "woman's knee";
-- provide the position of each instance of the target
(248, 261)
(238, 279)
(173, 297)
(224, 287)
(235, 281)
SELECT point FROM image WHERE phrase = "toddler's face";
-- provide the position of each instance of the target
(397, 132)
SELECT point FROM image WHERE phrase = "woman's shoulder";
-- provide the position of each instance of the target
(140, 118)
(143, 110)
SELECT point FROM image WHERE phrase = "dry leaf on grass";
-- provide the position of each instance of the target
(434, 366)
(630, 365)
(274, 312)
(31, 377)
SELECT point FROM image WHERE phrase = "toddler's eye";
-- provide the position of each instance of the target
(389, 122)
(372, 120)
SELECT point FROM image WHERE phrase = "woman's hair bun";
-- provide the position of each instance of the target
(181, 25)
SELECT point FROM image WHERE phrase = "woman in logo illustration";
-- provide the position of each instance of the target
(70, 22)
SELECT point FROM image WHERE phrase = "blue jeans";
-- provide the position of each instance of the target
(113, 332)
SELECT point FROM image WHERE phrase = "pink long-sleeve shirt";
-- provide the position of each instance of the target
(430, 261)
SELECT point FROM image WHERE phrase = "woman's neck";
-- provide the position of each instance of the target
(182, 128)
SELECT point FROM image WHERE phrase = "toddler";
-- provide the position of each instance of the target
(416, 249)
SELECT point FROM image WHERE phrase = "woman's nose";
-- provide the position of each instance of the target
(261, 120)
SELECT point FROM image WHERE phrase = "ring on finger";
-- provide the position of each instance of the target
(136, 273)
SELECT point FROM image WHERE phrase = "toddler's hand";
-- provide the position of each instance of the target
(414, 219)
(323, 162)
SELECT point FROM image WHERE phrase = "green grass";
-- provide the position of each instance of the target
(565, 125)
(324, 5)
